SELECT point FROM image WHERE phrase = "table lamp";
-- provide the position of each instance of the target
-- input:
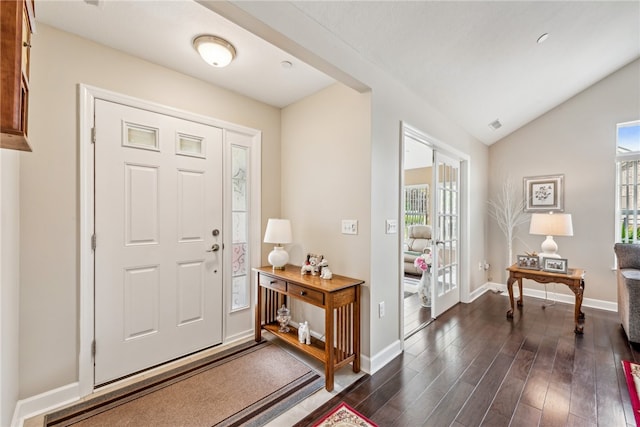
(550, 224)
(279, 232)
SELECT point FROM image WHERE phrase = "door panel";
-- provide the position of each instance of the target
(158, 196)
(445, 276)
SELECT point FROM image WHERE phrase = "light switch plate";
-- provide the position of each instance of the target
(391, 226)
(349, 226)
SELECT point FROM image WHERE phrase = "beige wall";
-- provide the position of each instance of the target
(418, 176)
(49, 184)
(9, 282)
(326, 178)
(577, 139)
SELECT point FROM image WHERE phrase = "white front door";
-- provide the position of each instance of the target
(158, 256)
(446, 234)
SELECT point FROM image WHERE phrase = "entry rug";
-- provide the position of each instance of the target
(344, 416)
(632, 374)
(244, 386)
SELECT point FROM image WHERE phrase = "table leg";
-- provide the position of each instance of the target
(578, 314)
(510, 290)
(329, 353)
(521, 296)
(258, 314)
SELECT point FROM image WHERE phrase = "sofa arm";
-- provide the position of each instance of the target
(629, 302)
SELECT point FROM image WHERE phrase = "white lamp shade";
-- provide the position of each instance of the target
(214, 50)
(278, 231)
(550, 224)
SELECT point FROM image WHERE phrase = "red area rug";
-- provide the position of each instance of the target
(632, 374)
(344, 415)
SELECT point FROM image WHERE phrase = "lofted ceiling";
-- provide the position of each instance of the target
(476, 61)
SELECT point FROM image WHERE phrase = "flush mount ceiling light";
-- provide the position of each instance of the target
(214, 50)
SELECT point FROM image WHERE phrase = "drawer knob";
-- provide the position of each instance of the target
(303, 293)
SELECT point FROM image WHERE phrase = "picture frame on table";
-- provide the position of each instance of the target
(544, 193)
(555, 265)
(528, 262)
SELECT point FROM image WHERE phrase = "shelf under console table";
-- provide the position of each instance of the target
(338, 296)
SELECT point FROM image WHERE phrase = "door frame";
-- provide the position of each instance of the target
(408, 131)
(86, 99)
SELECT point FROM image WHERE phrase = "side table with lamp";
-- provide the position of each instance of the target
(550, 224)
(279, 284)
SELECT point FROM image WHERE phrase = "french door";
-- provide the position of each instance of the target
(445, 273)
(158, 222)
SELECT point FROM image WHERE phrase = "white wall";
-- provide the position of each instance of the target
(49, 186)
(577, 139)
(9, 281)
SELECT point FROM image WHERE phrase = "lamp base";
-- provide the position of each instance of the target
(549, 248)
(278, 258)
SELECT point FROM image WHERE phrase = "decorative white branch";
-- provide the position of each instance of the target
(508, 211)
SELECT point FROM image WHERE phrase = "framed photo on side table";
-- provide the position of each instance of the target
(555, 265)
(544, 193)
(528, 262)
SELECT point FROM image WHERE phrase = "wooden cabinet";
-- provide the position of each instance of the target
(340, 299)
(16, 27)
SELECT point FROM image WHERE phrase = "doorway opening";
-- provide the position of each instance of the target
(416, 232)
(434, 224)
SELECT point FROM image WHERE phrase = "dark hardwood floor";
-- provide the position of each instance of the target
(473, 367)
(415, 315)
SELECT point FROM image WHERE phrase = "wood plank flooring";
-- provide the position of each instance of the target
(473, 367)
(415, 315)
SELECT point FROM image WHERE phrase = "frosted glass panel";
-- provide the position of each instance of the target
(239, 178)
(190, 145)
(239, 227)
(141, 136)
(239, 261)
(240, 295)
(240, 292)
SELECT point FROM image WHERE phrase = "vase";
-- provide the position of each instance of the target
(424, 289)
(284, 316)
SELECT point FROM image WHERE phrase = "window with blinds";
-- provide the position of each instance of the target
(416, 205)
(628, 170)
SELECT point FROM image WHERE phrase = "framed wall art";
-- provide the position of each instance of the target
(544, 193)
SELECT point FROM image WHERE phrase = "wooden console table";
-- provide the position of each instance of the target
(340, 299)
(574, 279)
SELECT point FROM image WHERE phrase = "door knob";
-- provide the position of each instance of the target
(214, 248)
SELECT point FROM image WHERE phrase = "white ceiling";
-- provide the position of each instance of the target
(476, 61)
(162, 32)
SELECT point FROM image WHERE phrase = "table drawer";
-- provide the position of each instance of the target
(310, 295)
(272, 283)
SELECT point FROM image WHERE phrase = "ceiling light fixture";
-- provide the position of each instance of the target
(542, 38)
(214, 50)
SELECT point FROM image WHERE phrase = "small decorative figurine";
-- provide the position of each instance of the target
(311, 265)
(304, 335)
(326, 273)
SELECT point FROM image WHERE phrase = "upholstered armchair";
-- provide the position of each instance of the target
(628, 277)
(418, 242)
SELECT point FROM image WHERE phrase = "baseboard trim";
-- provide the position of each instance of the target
(564, 298)
(380, 359)
(45, 402)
